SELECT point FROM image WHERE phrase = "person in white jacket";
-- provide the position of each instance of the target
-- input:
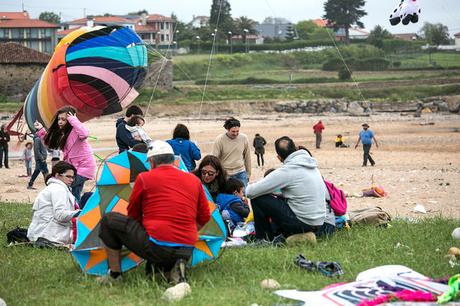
(54, 207)
(301, 207)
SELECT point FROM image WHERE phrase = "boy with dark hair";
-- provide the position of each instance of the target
(232, 203)
(125, 140)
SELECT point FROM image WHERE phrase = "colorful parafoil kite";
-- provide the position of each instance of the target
(406, 12)
(112, 194)
(96, 70)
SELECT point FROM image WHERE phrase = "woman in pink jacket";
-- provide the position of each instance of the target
(68, 134)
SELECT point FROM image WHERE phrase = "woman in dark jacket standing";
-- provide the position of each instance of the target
(259, 148)
(4, 139)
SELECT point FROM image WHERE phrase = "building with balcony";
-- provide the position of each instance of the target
(36, 34)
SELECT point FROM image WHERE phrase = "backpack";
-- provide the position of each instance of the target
(372, 215)
(338, 201)
(17, 235)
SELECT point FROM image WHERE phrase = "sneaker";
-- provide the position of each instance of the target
(178, 273)
(279, 241)
(31, 187)
(108, 280)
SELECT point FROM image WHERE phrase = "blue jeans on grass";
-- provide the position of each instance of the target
(40, 166)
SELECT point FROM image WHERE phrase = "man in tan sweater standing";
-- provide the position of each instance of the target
(233, 150)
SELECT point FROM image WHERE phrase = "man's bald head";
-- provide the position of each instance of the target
(284, 147)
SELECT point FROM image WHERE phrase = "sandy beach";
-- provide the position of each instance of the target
(418, 161)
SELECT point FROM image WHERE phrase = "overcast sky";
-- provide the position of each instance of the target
(444, 11)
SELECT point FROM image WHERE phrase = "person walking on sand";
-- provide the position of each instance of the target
(365, 137)
(318, 130)
(259, 149)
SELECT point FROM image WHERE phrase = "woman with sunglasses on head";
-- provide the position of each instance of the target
(68, 134)
(212, 175)
(54, 208)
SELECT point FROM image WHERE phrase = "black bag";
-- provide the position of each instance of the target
(17, 235)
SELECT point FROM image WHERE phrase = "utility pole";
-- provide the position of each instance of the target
(84, 12)
(23, 8)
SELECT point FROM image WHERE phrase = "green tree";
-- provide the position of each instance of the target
(50, 17)
(344, 13)
(306, 28)
(245, 26)
(377, 35)
(435, 33)
(221, 17)
(144, 11)
(181, 30)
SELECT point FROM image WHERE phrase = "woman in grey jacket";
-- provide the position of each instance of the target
(54, 207)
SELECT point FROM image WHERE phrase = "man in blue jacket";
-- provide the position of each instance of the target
(125, 140)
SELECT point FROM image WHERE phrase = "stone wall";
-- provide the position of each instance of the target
(362, 108)
(17, 80)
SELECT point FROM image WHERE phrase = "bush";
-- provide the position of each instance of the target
(396, 64)
(335, 64)
(344, 74)
(371, 64)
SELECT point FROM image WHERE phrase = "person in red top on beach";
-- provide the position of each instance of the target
(318, 129)
(165, 209)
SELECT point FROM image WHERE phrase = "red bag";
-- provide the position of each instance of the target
(338, 201)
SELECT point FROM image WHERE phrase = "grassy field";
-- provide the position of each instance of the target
(49, 277)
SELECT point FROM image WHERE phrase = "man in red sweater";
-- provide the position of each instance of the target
(318, 130)
(165, 206)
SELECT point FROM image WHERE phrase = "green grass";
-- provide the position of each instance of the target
(47, 277)
(193, 94)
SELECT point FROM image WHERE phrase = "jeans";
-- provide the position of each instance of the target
(242, 177)
(28, 164)
(40, 166)
(366, 155)
(118, 230)
(269, 207)
(319, 138)
(4, 153)
(77, 186)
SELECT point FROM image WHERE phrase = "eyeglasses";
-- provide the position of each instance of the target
(68, 176)
(208, 173)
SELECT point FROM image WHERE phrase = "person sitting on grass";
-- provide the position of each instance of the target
(212, 175)
(54, 208)
(302, 205)
(232, 204)
(165, 209)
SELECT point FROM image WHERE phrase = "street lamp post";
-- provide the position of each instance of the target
(246, 31)
(198, 49)
(230, 34)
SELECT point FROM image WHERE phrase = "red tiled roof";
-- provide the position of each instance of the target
(14, 53)
(320, 22)
(14, 15)
(65, 32)
(26, 23)
(102, 19)
(158, 17)
(457, 35)
(145, 29)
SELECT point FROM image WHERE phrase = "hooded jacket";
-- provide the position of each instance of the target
(77, 150)
(235, 207)
(300, 183)
(187, 150)
(53, 211)
(124, 139)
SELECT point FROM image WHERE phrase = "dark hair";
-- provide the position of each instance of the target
(60, 168)
(233, 185)
(29, 143)
(181, 131)
(305, 149)
(211, 160)
(231, 122)
(134, 120)
(3, 126)
(257, 135)
(56, 137)
(284, 147)
(269, 171)
(134, 110)
(141, 147)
